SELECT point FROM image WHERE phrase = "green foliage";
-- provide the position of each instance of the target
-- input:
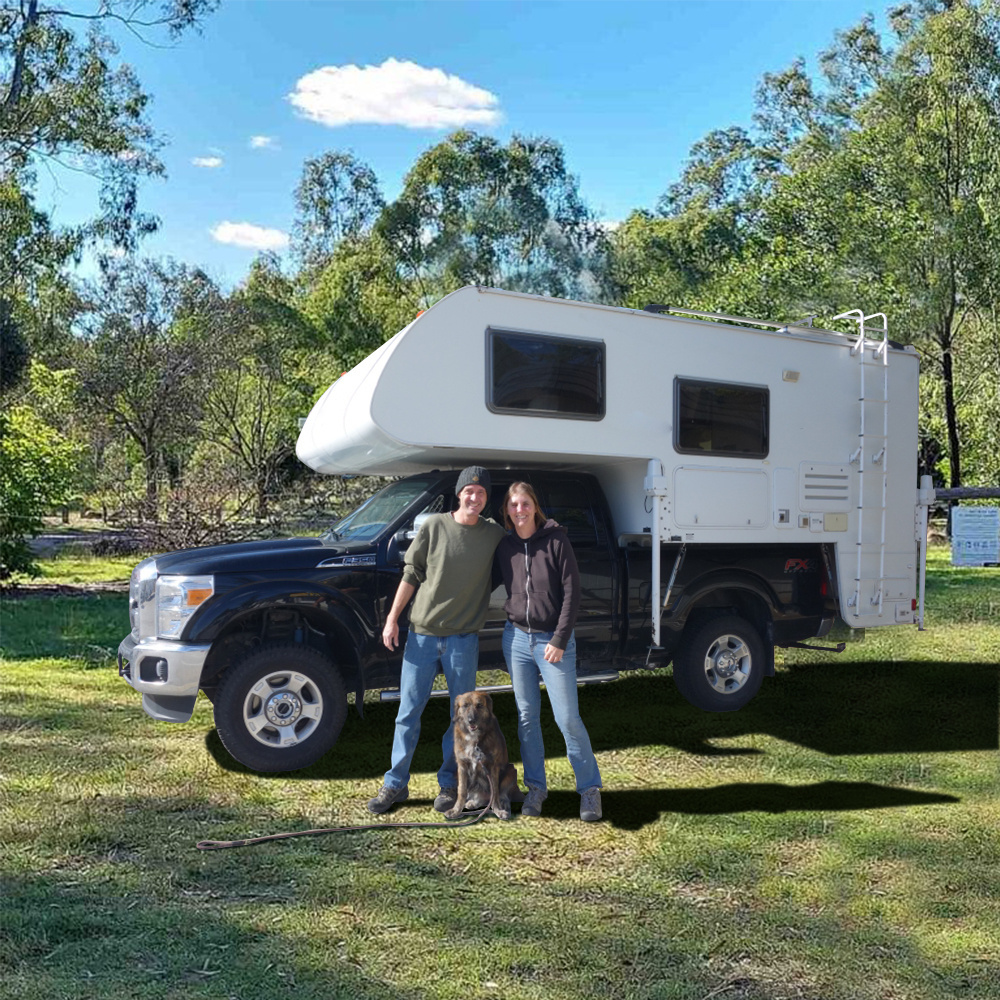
(13, 349)
(258, 389)
(337, 198)
(38, 466)
(64, 97)
(475, 212)
(153, 330)
(359, 300)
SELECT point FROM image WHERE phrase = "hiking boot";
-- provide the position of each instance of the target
(387, 797)
(445, 800)
(533, 803)
(590, 804)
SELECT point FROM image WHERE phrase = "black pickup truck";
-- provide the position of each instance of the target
(277, 633)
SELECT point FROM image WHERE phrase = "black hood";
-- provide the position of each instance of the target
(276, 554)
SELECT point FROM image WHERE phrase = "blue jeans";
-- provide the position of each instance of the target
(525, 654)
(459, 659)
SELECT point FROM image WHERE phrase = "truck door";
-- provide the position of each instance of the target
(571, 501)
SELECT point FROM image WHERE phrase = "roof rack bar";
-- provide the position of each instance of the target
(654, 307)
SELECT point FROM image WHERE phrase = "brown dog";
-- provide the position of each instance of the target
(484, 772)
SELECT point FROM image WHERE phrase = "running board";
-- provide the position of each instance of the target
(612, 675)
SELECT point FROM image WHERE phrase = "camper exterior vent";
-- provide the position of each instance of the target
(824, 487)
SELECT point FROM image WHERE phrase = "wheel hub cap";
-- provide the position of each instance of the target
(283, 708)
(726, 664)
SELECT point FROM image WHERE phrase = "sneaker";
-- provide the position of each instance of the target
(445, 800)
(387, 797)
(590, 804)
(533, 803)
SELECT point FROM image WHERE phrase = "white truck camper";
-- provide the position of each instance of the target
(703, 429)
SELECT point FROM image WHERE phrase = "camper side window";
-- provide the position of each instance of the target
(720, 418)
(537, 375)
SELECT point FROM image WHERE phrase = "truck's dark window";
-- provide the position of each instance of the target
(720, 418)
(538, 375)
(568, 503)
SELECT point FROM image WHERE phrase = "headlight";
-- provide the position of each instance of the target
(177, 599)
(142, 600)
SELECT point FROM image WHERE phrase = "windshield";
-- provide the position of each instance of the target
(376, 512)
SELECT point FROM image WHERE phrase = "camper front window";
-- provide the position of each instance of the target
(538, 375)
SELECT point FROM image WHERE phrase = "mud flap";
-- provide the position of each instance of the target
(769, 648)
(359, 695)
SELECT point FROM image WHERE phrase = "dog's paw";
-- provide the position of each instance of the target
(502, 813)
(453, 813)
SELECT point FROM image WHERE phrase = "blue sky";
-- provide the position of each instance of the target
(625, 87)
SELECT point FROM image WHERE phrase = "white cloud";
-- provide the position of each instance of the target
(245, 234)
(211, 162)
(263, 142)
(395, 93)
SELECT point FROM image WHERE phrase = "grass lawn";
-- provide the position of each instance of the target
(839, 839)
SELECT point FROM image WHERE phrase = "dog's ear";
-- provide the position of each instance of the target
(489, 703)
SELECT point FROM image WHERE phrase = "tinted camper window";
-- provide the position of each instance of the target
(720, 418)
(539, 375)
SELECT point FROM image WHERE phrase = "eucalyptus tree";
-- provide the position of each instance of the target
(337, 197)
(146, 367)
(64, 102)
(474, 212)
(261, 381)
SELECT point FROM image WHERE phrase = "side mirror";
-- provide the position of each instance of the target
(404, 536)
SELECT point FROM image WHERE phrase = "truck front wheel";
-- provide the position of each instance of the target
(280, 708)
(720, 665)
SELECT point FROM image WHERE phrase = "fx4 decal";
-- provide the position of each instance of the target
(801, 565)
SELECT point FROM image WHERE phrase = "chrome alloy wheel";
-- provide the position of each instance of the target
(282, 709)
(728, 663)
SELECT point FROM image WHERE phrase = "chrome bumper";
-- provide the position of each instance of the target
(166, 673)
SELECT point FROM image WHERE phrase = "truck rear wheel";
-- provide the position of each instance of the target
(720, 665)
(280, 708)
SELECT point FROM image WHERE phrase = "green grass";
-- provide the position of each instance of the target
(76, 564)
(835, 840)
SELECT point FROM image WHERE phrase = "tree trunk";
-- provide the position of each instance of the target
(149, 463)
(951, 414)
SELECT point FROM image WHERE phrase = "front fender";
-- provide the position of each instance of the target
(318, 603)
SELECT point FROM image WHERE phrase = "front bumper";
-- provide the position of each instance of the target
(166, 673)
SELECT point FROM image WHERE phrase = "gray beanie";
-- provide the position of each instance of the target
(473, 475)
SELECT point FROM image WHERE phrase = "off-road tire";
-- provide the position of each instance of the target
(719, 667)
(292, 696)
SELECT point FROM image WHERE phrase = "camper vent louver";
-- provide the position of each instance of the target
(824, 487)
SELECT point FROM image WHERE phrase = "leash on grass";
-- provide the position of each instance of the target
(220, 845)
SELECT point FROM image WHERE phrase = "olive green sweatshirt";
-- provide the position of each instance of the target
(451, 564)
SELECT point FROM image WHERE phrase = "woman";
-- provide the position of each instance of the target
(539, 571)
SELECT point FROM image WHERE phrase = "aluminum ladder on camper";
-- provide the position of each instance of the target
(872, 459)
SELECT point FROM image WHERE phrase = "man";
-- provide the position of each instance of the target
(449, 567)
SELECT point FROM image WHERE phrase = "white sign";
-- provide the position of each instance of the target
(975, 536)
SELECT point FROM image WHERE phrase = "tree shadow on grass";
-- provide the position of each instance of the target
(836, 709)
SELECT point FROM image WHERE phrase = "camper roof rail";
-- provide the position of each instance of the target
(806, 324)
